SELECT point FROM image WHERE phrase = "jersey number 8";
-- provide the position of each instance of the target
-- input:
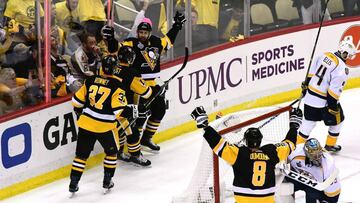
(259, 172)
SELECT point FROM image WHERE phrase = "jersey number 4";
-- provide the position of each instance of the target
(259, 172)
(320, 73)
(95, 90)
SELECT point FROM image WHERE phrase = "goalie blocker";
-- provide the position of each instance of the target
(258, 186)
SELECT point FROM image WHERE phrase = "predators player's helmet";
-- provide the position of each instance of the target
(126, 55)
(313, 151)
(108, 64)
(347, 49)
(253, 137)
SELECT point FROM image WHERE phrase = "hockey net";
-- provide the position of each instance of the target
(212, 178)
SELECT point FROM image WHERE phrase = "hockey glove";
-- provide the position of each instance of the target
(304, 88)
(200, 116)
(332, 116)
(179, 20)
(108, 32)
(295, 118)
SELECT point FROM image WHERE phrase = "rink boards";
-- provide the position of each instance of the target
(39, 147)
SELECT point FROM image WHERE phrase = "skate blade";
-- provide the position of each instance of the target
(107, 190)
(72, 195)
(139, 166)
(147, 149)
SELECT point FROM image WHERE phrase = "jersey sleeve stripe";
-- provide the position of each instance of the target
(219, 146)
(77, 103)
(333, 94)
(332, 194)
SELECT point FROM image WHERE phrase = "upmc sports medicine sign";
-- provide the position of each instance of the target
(353, 33)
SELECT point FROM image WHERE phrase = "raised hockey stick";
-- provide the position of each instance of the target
(315, 44)
(148, 103)
(320, 186)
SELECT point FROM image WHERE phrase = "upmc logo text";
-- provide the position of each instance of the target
(353, 34)
(8, 146)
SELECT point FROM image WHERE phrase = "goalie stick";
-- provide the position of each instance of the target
(320, 186)
(147, 103)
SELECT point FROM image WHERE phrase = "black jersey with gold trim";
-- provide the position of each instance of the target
(148, 55)
(102, 100)
(132, 82)
(254, 169)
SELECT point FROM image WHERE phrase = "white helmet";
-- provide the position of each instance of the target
(347, 46)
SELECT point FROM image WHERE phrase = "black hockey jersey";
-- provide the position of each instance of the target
(254, 171)
(102, 100)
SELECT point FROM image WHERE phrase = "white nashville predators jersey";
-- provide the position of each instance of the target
(298, 162)
(328, 76)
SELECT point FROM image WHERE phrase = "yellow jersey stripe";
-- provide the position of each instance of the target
(332, 194)
(317, 91)
(333, 94)
(79, 160)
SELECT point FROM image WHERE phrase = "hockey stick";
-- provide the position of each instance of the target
(314, 48)
(273, 117)
(320, 186)
(148, 103)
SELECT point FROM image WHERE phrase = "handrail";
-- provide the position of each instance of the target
(122, 27)
(125, 7)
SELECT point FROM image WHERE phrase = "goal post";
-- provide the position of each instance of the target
(212, 177)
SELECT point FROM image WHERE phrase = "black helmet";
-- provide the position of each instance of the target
(108, 63)
(144, 26)
(126, 55)
(253, 137)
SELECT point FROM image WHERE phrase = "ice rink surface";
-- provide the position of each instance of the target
(173, 168)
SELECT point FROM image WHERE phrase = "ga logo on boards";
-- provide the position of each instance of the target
(353, 33)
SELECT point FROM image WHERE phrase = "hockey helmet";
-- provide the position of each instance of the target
(144, 26)
(126, 55)
(253, 137)
(108, 64)
(313, 151)
(347, 46)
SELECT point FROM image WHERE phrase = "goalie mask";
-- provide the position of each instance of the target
(108, 64)
(347, 49)
(253, 137)
(313, 151)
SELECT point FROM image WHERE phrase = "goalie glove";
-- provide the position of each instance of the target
(295, 118)
(200, 116)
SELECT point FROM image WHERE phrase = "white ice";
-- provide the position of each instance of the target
(173, 168)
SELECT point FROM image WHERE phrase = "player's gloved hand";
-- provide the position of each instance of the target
(295, 118)
(132, 111)
(200, 116)
(108, 32)
(304, 88)
(158, 90)
(179, 20)
(143, 111)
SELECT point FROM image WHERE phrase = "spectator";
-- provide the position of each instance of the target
(59, 69)
(207, 23)
(311, 10)
(86, 59)
(157, 14)
(92, 16)
(349, 6)
(22, 11)
(233, 27)
(67, 15)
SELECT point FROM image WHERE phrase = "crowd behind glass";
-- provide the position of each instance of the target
(76, 44)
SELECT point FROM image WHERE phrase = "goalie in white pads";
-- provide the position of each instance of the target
(316, 163)
(322, 90)
(253, 165)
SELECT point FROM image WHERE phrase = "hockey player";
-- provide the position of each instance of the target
(322, 89)
(132, 81)
(99, 103)
(253, 165)
(316, 163)
(148, 49)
